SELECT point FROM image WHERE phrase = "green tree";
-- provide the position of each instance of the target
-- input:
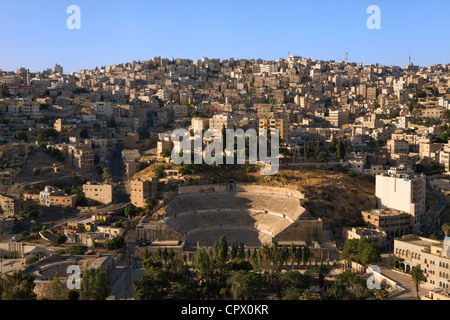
(244, 285)
(418, 278)
(204, 265)
(150, 203)
(295, 279)
(351, 174)
(306, 253)
(254, 259)
(159, 171)
(60, 238)
(241, 251)
(179, 275)
(446, 229)
(292, 294)
(394, 261)
(149, 263)
(333, 144)
(381, 294)
(320, 272)
(239, 264)
(334, 292)
(119, 224)
(106, 174)
(154, 285)
(17, 286)
(165, 154)
(95, 284)
(115, 243)
(20, 135)
(57, 289)
(222, 254)
(78, 249)
(4, 89)
(145, 254)
(158, 255)
(28, 213)
(130, 212)
(234, 250)
(362, 250)
(340, 150)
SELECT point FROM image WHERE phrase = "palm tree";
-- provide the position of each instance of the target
(306, 295)
(417, 277)
(321, 272)
(446, 229)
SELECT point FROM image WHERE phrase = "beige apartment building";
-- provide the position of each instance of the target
(431, 255)
(394, 222)
(265, 111)
(7, 177)
(60, 125)
(140, 190)
(64, 200)
(51, 196)
(221, 121)
(397, 146)
(10, 205)
(199, 124)
(433, 113)
(103, 193)
(81, 157)
(429, 150)
(377, 236)
(338, 117)
(280, 124)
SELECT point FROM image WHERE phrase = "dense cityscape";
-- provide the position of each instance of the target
(357, 209)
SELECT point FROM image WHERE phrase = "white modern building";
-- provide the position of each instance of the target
(402, 191)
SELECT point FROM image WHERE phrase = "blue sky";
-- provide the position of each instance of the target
(35, 36)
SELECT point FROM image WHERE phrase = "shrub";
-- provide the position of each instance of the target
(350, 173)
(78, 250)
(31, 260)
(115, 243)
(60, 238)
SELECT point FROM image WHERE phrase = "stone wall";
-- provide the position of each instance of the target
(157, 230)
(251, 188)
(302, 230)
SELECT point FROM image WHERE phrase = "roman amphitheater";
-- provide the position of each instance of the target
(198, 215)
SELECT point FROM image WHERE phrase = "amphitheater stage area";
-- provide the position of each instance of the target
(199, 215)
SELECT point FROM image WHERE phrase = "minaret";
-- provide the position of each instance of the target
(28, 77)
(409, 61)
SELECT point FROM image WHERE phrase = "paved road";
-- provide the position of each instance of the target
(404, 281)
(118, 175)
(441, 203)
(127, 272)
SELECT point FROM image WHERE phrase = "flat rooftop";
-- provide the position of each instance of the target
(419, 241)
(385, 212)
